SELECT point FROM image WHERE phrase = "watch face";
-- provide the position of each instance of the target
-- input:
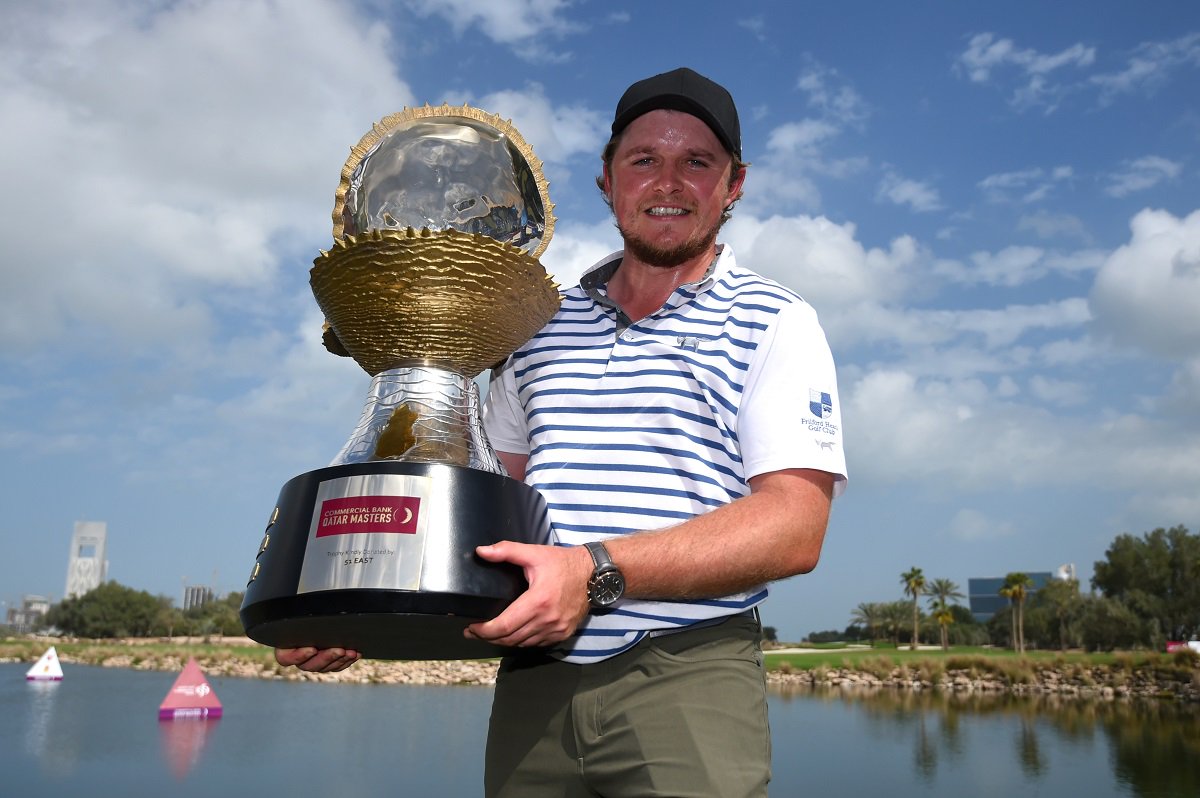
(605, 588)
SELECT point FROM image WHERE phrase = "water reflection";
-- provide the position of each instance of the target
(925, 752)
(183, 741)
(98, 734)
(41, 711)
(1153, 747)
(1029, 751)
(1156, 755)
(49, 739)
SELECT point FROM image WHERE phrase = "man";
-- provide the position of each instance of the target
(680, 416)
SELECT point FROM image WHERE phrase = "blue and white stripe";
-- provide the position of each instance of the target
(635, 426)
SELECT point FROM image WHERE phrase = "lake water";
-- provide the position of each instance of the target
(96, 733)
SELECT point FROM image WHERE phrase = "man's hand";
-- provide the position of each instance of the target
(552, 607)
(327, 660)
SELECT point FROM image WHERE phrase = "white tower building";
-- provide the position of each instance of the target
(87, 567)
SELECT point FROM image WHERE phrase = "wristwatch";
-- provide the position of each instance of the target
(607, 583)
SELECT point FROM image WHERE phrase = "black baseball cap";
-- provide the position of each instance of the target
(684, 90)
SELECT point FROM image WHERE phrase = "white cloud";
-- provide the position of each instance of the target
(1071, 352)
(1045, 224)
(1006, 180)
(951, 435)
(801, 138)
(910, 429)
(1182, 397)
(1141, 174)
(1025, 186)
(1149, 66)
(1010, 266)
(986, 54)
(918, 196)
(1065, 393)
(832, 96)
(576, 248)
(164, 158)
(1018, 265)
(1148, 291)
(757, 26)
(1076, 263)
(864, 295)
(556, 133)
(522, 25)
(821, 260)
(1003, 328)
(781, 180)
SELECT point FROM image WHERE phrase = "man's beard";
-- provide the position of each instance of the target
(667, 257)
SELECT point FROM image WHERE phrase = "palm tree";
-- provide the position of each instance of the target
(914, 584)
(869, 614)
(944, 617)
(892, 619)
(940, 593)
(1016, 588)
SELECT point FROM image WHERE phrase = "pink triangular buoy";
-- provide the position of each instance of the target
(190, 696)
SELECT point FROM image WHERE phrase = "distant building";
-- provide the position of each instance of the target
(28, 616)
(196, 596)
(87, 567)
(983, 593)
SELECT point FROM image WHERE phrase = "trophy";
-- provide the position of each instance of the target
(433, 277)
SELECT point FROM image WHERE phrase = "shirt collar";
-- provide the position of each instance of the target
(594, 283)
(595, 278)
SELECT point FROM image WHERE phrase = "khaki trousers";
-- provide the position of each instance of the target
(679, 715)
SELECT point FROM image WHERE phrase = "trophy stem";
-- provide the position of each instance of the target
(421, 414)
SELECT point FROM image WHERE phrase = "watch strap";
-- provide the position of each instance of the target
(600, 555)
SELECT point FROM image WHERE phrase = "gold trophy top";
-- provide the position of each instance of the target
(439, 219)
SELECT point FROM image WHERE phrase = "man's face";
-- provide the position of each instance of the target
(669, 184)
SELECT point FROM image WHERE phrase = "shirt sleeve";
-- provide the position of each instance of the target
(790, 414)
(504, 419)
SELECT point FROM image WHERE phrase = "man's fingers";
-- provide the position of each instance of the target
(504, 551)
(329, 660)
(293, 656)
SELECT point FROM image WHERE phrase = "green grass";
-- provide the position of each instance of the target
(95, 651)
(961, 657)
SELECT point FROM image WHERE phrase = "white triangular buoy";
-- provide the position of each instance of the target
(46, 669)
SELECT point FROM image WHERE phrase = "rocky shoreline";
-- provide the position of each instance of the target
(1179, 681)
(413, 672)
(386, 672)
(1099, 682)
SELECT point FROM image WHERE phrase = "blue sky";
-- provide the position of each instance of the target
(993, 208)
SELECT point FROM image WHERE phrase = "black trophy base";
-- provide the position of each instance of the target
(380, 624)
(456, 587)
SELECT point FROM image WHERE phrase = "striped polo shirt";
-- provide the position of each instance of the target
(633, 426)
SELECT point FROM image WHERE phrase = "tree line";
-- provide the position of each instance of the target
(1145, 592)
(114, 610)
